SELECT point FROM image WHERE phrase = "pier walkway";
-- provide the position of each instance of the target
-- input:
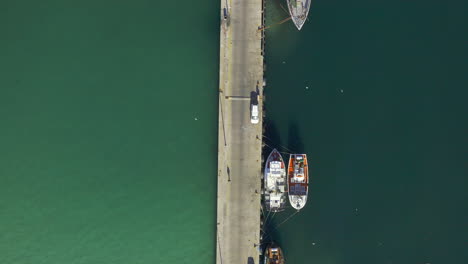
(239, 141)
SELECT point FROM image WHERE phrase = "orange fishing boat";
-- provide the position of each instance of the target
(298, 180)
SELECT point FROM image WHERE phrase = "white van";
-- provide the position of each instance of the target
(254, 113)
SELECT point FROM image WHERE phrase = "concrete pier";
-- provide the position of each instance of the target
(239, 141)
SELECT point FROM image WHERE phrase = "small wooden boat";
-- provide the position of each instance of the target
(274, 255)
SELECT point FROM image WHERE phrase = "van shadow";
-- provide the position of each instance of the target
(254, 98)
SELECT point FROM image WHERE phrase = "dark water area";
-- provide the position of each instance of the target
(375, 93)
(101, 158)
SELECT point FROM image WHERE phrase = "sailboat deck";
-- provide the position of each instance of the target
(299, 9)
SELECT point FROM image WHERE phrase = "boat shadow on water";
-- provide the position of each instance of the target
(294, 139)
(271, 139)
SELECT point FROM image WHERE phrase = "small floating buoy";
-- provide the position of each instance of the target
(284, 62)
(307, 87)
(196, 118)
(341, 90)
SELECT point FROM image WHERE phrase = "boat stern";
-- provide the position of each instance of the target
(297, 202)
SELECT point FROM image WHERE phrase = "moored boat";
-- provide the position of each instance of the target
(274, 180)
(298, 180)
(298, 9)
(274, 255)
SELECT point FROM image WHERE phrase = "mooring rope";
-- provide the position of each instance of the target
(265, 223)
(266, 218)
(287, 219)
(281, 146)
(271, 218)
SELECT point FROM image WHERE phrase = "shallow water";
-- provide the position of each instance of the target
(102, 160)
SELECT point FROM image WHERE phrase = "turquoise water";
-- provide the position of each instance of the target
(374, 93)
(102, 160)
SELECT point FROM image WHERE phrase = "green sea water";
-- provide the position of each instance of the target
(375, 93)
(101, 158)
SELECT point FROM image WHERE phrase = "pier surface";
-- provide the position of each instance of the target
(239, 141)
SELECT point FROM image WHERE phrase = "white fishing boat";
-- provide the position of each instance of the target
(275, 182)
